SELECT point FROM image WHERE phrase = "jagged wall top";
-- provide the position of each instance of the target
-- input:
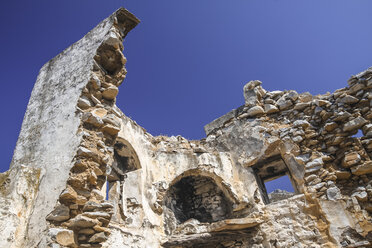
(56, 91)
(49, 136)
(259, 102)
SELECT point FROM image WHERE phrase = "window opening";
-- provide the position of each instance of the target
(274, 180)
(279, 188)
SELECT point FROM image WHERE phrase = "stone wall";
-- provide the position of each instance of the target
(95, 178)
(314, 135)
(81, 214)
(196, 197)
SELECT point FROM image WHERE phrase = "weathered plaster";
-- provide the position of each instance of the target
(75, 145)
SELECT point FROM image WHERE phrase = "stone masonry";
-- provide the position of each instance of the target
(83, 174)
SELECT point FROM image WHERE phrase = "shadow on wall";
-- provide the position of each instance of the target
(125, 161)
(197, 197)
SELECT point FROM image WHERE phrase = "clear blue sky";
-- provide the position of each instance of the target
(188, 60)
(283, 183)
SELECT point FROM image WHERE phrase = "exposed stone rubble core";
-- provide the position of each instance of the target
(85, 175)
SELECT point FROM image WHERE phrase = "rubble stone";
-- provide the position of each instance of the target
(361, 196)
(256, 110)
(283, 104)
(92, 119)
(363, 169)
(98, 238)
(60, 213)
(270, 108)
(65, 238)
(354, 124)
(252, 93)
(349, 99)
(351, 159)
(330, 126)
(82, 222)
(68, 195)
(110, 93)
(334, 194)
(92, 177)
(84, 103)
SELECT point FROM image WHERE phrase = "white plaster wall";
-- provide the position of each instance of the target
(49, 136)
(159, 165)
(18, 191)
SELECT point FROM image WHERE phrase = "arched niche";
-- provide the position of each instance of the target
(196, 196)
(125, 157)
(123, 172)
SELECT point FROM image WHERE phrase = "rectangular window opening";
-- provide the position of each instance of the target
(274, 180)
(279, 188)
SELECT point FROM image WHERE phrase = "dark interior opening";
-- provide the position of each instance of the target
(198, 197)
(125, 158)
(109, 59)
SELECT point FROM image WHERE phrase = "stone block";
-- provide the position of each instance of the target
(98, 238)
(81, 221)
(333, 194)
(349, 99)
(254, 111)
(110, 129)
(110, 93)
(60, 213)
(363, 169)
(283, 103)
(84, 103)
(68, 195)
(270, 109)
(330, 126)
(350, 159)
(354, 124)
(66, 238)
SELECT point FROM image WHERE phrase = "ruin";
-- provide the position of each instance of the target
(83, 174)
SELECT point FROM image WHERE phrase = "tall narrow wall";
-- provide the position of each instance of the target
(50, 133)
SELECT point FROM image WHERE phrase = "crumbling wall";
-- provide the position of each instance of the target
(95, 178)
(81, 216)
(314, 136)
(70, 97)
(164, 161)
